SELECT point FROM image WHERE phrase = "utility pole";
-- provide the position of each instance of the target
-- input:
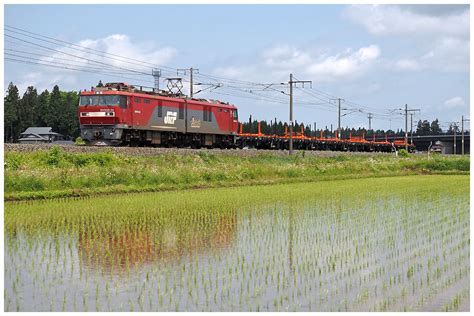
(191, 82)
(411, 128)
(370, 116)
(156, 73)
(291, 82)
(462, 133)
(291, 114)
(406, 127)
(338, 117)
(339, 120)
(406, 123)
(454, 129)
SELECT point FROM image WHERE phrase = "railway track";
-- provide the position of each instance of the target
(156, 151)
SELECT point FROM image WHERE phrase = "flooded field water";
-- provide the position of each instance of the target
(388, 244)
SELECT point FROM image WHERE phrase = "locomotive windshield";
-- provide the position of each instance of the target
(113, 100)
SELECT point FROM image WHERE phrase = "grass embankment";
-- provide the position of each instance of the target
(56, 173)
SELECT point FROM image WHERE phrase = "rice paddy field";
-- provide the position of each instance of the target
(381, 244)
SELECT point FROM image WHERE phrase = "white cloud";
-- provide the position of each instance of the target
(449, 54)
(278, 61)
(446, 55)
(407, 64)
(400, 19)
(345, 65)
(42, 81)
(90, 71)
(441, 31)
(455, 102)
(118, 45)
(285, 57)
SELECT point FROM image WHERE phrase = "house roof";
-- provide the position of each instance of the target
(40, 131)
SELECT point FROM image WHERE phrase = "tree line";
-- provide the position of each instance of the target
(58, 109)
(280, 128)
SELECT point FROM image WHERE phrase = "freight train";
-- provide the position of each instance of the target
(120, 114)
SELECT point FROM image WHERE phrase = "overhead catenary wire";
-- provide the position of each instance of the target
(42, 47)
(41, 37)
(59, 61)
(79, 57)
(235, 84)
(71, 68)
(92, 51)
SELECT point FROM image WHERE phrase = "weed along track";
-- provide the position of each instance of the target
(58, 172)
(383, 244)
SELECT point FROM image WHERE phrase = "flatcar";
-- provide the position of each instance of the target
(120, 114)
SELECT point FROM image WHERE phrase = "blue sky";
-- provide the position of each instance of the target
(375, 57)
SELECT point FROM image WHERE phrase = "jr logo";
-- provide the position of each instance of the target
(170, 117)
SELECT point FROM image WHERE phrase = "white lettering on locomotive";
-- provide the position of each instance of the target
(170, 117)
(195, 123)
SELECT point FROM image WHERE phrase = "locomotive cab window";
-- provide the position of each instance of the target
(108, 100)
(123, 102)
(146, 100)
(138, 100)
(235, 114)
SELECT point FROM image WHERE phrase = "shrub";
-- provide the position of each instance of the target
(79, 160)
(403, 153)
(13, 161)
(53, 156)
(79, 141)
(103, 159)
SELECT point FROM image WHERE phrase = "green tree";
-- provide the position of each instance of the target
(43, 108)
(55, 111)
(72, 102)
(11, 102)
(423, 128)
(27, 109)
(67, 124)
(435, 128)
(452, 128)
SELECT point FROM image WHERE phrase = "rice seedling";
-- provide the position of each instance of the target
(335, 246)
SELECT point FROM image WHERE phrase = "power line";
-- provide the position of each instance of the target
(68, 68)
(322, 97)
(95, 51)
(70, 63)
(40, 37)
(75, 56)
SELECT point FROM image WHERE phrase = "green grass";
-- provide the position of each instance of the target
(56, 173)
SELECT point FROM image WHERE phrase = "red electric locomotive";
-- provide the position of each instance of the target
(119, 114)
